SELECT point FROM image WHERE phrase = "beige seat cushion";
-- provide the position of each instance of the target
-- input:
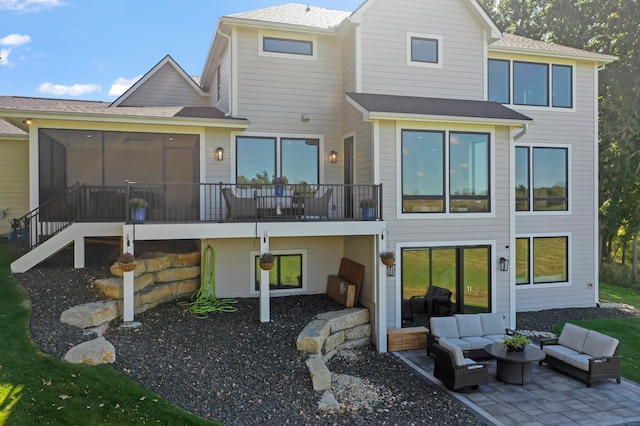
(468, 325)
(598, 344)
(492, 324)
(458, 357)
(444, 327)
(573, 337)
(558, 351)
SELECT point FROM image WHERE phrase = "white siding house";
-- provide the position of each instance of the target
(478, 149)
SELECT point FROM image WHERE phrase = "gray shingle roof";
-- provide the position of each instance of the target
(516, 42)
(9, 129)
(102, 108)
(413, 105)
(296, 14)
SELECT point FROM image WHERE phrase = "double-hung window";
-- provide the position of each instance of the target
(261, 159)
(542, 260)
(542, 178)
(445, 171)
(530, 83)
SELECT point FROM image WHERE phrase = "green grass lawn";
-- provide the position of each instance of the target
(38, 389)
(626, 330)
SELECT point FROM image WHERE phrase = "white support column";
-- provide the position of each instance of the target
(381, 290)
(128, 297)
(265, 315)
(78, 252)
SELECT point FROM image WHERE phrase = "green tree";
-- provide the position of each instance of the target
(606, 26)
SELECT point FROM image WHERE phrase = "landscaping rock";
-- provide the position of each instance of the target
(358, 332)
(333, 341)
(179, 260)
(176, 274)
(345, 318)
(313, 336)
(113, 288)
(93, 352)
(92, 314)
(162, 293)
(155, 261)
(320, 374)
(328, 402)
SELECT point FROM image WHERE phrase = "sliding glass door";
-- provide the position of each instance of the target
(439, 281)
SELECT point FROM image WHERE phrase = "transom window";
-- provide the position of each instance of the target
(547, 168)
(424, 50)
(542, 260)
(425, 188)
(530, 83)
(261, 159)
(289, 46)
(285, 275)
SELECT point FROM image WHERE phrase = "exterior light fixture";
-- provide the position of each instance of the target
(504, 264)
(219, 154)
(333, 156)
(26, 121)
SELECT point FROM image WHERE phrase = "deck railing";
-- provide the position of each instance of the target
(225, 202)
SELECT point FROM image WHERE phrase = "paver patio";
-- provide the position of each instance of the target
(552, 398)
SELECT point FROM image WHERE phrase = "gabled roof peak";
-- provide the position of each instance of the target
(295, 14)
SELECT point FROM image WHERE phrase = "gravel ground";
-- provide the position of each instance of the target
(233, 369)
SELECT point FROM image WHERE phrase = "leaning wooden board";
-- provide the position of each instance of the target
(345, 287)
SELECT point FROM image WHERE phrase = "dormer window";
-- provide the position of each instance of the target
(424, 50)
(287, 45)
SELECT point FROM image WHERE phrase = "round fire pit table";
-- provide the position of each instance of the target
(514, 367)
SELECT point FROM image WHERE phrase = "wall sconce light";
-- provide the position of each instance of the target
(333, 156)
(26, 121)
(219, 154)
(504, 264)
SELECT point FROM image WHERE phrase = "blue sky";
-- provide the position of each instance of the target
(95, 49)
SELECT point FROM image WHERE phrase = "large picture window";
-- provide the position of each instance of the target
(261, 159)
(530, 83)
(285, 275)
(424, 172)
(547, 260)
(546, 168)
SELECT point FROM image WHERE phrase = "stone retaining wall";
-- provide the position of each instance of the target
(158, 278)
(323, 337)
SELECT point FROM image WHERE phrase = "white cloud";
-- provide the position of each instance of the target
(122, 84)
(14, 39)
(75, 90)
(28, 5)
(4, 56)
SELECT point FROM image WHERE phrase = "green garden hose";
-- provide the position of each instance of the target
(205, 298)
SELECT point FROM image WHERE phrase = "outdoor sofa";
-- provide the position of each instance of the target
(470, 332)
(585, 354)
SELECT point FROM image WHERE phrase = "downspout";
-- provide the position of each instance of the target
(512, 226)
(521, 133)
(230, 113)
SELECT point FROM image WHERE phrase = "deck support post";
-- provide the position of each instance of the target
(128, 297)
(78, 253)
(264, 283)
